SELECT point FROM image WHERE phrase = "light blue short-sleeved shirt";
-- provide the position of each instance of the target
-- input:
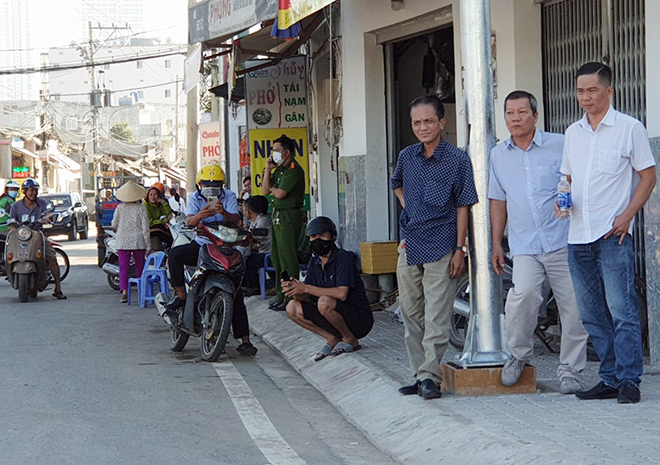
(527, 180)
(196, 202)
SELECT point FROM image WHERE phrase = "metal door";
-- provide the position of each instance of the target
(608, 31)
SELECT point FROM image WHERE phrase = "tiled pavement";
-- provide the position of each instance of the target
(546, 427)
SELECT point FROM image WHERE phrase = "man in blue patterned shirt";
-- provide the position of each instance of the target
(434, 183)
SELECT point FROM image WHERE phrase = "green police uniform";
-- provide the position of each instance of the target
(5, 205)
(287, 221)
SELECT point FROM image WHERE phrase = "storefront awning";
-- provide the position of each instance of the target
(62, 161)
(292, 11)
(25, 152)
(261, 43)
(174, 173)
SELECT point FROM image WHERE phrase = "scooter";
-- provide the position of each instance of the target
(110, 264)
(25, 259)
(211, 290)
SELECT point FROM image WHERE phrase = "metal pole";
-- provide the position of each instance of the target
(484, 341)
(176, 120)
(191, 136)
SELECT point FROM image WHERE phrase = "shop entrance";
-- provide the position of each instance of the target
(414, 66)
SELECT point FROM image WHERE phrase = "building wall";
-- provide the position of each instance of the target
(518, 38)
(14, 43)
(155, 78)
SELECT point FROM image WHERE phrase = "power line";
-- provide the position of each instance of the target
(31, 70)
(123, 90)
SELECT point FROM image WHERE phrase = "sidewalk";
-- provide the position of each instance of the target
(542, 428)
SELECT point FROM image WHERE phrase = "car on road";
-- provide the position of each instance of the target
(69, 215)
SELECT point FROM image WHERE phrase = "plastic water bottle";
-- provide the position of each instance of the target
(564, 198)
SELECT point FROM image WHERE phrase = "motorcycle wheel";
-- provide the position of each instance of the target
(23, 287)
(113, 282)
(216, 329)
(459, 323)
(179, 340)
(62, 263)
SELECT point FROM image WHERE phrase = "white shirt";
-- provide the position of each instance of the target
(603, 165)
(179, 206)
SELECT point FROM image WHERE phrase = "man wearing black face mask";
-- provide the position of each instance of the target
(332, 301)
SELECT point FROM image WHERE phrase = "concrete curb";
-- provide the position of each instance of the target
(407, 428)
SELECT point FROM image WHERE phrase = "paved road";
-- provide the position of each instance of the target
(91, 381)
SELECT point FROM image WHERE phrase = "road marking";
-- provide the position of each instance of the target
(262, 431)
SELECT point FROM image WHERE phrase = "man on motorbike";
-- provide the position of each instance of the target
(6, 201)
(35, 207)
(210, 204)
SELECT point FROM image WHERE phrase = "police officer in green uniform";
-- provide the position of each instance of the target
(6, 201)
(285, 180)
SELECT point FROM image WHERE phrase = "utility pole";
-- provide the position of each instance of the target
(92, 81)
(191, 139)
(484, 343)
(176, 119)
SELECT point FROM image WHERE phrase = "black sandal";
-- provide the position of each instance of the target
(59, 296)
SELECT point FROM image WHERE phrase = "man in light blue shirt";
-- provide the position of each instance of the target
(524, 173)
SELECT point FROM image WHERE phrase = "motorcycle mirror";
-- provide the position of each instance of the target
(3, 213)
(25, 217)
(260, 232)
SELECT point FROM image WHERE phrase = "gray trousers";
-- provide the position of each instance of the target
(524, 300)
(426, 297)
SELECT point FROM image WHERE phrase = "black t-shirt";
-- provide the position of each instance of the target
(339, 271)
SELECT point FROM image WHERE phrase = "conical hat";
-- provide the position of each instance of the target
(130, 192)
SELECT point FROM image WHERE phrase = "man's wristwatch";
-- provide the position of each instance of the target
(462, 248)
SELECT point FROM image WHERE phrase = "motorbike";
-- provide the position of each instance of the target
(25, 259)
(110, 264)
(212, 287)
(548, 311)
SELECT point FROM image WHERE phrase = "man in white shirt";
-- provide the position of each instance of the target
(608, 159)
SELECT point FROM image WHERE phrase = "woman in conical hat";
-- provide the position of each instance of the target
(132, 225)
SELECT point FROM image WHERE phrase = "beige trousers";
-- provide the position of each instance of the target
(426, 297)
(524, 300)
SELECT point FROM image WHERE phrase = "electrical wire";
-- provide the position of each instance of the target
(43, 69)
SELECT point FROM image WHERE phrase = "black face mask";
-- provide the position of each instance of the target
(321, 247)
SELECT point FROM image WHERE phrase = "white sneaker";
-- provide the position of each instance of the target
(512, 370)
(569, 385)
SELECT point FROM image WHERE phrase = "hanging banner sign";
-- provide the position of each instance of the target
(261, 146)
(292, 11)
(277, 96)
(209, 144)
(214, 19)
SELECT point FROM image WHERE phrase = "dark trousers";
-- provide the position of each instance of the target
(186, 255)
(252, 265)
(284, 248)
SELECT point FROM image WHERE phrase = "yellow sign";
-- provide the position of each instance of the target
(261, 146)
(297, 10)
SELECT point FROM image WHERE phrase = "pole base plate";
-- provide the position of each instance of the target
(484, 381)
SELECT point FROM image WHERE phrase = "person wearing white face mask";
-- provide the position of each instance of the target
(6, 201)
(285, 180)
(210, 204)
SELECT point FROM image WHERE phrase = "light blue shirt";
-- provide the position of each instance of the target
(196, 202)
(527, 180)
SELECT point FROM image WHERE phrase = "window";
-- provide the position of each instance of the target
(139, 64)
(168, 93)
(106, 66)
(140, 93)
(168, 63)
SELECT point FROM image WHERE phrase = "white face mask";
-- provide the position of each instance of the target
(210, 192)
(277, 157)
(12, 194)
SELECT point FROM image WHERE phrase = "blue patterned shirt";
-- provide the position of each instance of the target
(433, 189)
(527, 181)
